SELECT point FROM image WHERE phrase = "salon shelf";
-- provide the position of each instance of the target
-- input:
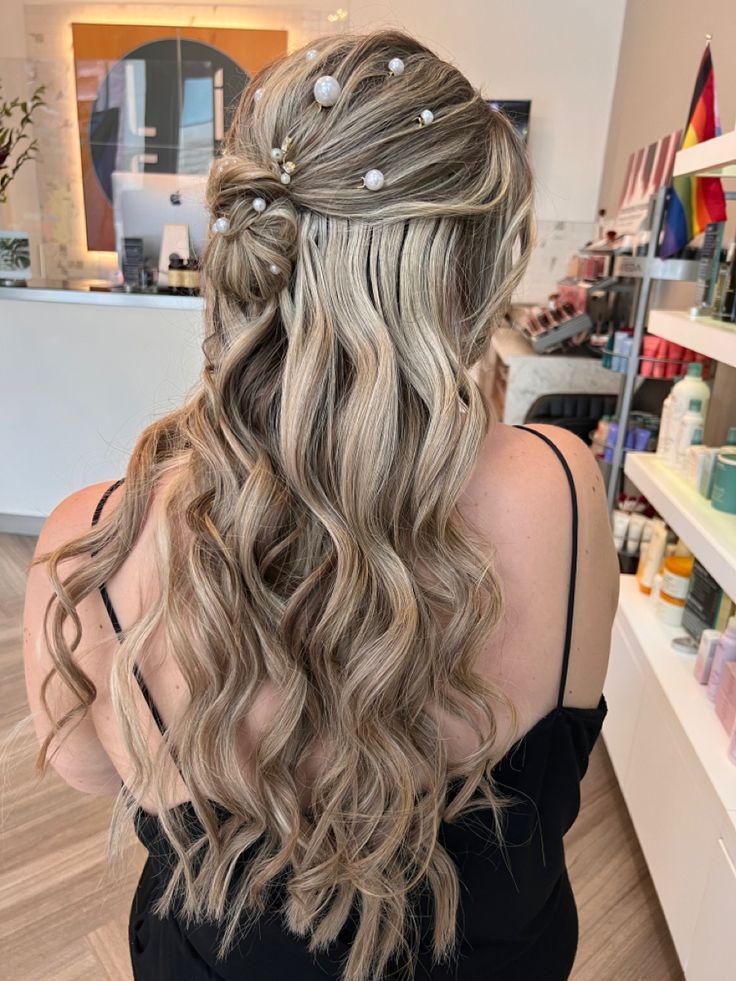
(694, 713)
(709, 534)
(712, 158)
(676, 270)
(606, 284)
(713, 338)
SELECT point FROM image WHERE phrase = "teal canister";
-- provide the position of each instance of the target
(723, 497)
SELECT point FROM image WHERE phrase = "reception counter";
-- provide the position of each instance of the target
(82, 372)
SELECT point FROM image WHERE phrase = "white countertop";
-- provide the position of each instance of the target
(87, 293)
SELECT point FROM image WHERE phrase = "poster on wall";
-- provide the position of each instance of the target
(15, 257)
(648, 169)
(153, 99)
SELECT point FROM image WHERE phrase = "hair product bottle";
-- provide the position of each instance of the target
(651, 558)
(665, 424)
(695, 451)
(706, 652)
(690, 423)
(690, 387)
(725, 652)
(673, 591)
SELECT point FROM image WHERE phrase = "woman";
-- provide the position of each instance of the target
(341, 639)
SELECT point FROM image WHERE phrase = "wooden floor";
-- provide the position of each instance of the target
(63, 917)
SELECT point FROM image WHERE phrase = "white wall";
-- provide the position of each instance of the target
(561, 54)
(663, 41)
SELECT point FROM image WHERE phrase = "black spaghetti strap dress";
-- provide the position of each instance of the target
(517, 919)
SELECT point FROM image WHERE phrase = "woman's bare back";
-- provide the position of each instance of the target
(519, 500)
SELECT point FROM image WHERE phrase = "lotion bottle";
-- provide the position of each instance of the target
(690, 387)
(691, 421)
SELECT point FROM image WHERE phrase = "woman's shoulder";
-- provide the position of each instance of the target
(521, 477)
(72, 516)
(523, 502)
(523, 454)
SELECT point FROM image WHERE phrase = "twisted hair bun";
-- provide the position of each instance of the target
(252, 260)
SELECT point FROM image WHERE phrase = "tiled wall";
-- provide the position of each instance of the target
(556, 241)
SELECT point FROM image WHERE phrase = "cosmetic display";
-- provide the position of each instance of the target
(547, 329)
(659, 358)
(641, 435)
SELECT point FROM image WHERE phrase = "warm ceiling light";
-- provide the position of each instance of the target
(339, 14)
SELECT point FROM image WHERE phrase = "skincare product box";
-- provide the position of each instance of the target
(706, 607)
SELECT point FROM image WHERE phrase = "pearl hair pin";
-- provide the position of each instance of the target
(327, 90)
(278, 155)
(259, 205)
(373, 180)
(396, 66)
(274, 269)
(425, 117)
(311, 55)
(221, 225)
(258, 95)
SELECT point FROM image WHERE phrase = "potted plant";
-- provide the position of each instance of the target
(16, 148)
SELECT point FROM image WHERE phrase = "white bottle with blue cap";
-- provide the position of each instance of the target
(690, 387)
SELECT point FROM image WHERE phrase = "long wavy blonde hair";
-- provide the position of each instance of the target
(309, 537)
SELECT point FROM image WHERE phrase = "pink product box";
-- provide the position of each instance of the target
(726, 697)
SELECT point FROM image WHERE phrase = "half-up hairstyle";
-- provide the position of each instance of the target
(309, 540)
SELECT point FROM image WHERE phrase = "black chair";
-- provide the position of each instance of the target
(578, 413)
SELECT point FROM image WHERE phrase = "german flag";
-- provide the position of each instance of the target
(695, 202)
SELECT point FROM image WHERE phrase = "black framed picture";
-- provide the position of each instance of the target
(15, 255)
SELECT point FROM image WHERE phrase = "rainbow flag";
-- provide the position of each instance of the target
(695, 202)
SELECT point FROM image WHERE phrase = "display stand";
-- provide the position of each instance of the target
(645, 270)
(667, 746)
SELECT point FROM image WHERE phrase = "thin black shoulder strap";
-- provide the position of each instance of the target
(114, 618)
(573, 561)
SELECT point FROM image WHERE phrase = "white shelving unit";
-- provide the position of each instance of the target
(668, 749)
(666, 743)
(709, 534)
(713, 338)
(687, 699)
(713, 158)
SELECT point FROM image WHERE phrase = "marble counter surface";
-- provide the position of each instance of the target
(531, 375)
(96, 292)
